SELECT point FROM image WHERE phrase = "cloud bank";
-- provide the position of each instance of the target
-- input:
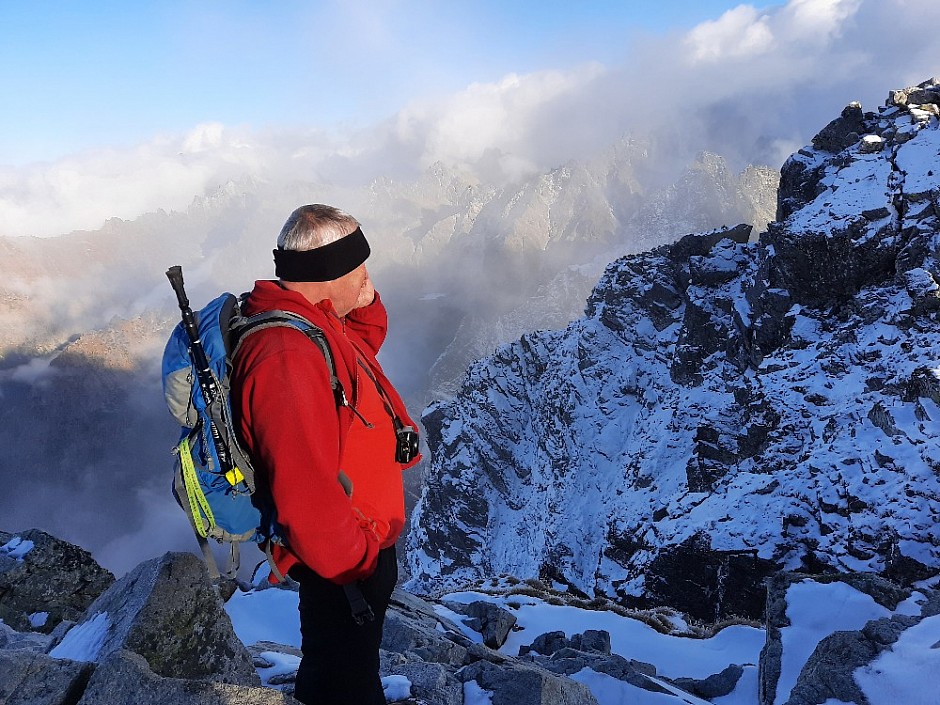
(752, 84)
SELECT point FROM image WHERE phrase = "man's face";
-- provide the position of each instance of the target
(346, 291)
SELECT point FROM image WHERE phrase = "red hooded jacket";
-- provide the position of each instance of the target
(297, 436)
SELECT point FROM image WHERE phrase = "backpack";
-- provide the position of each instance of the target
(214, 479)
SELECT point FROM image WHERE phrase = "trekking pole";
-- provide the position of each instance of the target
(207, 384)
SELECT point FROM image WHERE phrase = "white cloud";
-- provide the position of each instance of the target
(742, 31)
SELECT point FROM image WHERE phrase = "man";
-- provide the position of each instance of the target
(329, 457)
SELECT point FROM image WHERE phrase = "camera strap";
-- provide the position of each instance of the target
(386, 402)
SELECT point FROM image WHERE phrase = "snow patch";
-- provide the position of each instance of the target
(83, 642)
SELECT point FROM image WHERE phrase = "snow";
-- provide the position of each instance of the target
(396, 688)
(17, 547)
(83, 641)
(899, 675)
(265, 615)
(38, 619)
(473, 694)
(673, 656)
(902, 674)
(281, 664)
(816, 611)
(611, 691)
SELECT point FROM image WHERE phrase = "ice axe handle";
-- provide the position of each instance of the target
(175, 275)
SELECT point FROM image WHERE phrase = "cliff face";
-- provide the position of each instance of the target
(725, 409)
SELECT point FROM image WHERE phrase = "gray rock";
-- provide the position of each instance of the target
(167, 611)
(547, 644)
(842, 132)
(520, 684)
(54, 576)
(828, 671)
(715, 686)
(592, 640)
(411, 636)
(30, 641)
(492, 621)
(568, 661)
(123, 678)
(28, 678)
(431, 682)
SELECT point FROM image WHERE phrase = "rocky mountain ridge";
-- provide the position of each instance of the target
(726, 409)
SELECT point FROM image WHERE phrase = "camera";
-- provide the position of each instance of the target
(406, 447)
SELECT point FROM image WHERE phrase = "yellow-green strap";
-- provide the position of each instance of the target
(197, 500)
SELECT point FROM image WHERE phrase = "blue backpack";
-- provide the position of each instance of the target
(214, 480)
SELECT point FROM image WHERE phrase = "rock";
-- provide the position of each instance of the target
(715, 686)
(417, 638)
(41, 573)
(706, 584)
(492, 621)
(28, 678)
(430, 682)
(842, 132)
(828, 671)
(123, 678)
(546, 644)
(29, 641)
(592, 640)
(519, 684)
(167, 611)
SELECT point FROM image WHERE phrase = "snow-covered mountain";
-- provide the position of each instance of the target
(725, 408)
(84, 316)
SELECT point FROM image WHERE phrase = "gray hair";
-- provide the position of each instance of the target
(313, 226)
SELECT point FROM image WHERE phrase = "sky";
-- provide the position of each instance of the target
(85, 75)
(113, 109)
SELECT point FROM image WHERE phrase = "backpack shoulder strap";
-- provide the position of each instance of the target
(288, 319)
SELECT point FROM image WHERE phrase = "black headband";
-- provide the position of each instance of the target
(322, 264)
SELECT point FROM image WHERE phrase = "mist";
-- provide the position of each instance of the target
(451, 191)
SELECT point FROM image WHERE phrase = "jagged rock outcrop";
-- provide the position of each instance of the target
(44, 580)
(167, 611)
(158, 635)
(734, 407)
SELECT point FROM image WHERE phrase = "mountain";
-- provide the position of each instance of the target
(725, 409)
(463, 266)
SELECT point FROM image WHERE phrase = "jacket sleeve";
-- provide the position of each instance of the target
(289, 420)
(370, 323)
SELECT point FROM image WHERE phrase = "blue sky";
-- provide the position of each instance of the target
(101, 73)
(115, 109)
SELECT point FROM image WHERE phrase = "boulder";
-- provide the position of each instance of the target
(715, 686)
(44, 576)
(514, 683)
(124, 678)
(492, 621)
(167, 611)
(430, 682)
(28, 678)
(415, 631)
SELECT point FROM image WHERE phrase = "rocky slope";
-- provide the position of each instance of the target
(162, 635)
(725, 409)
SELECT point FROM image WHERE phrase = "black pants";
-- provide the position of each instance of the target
(340, 664)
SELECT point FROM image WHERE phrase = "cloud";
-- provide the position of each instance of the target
(751, 84)
(742, 31)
